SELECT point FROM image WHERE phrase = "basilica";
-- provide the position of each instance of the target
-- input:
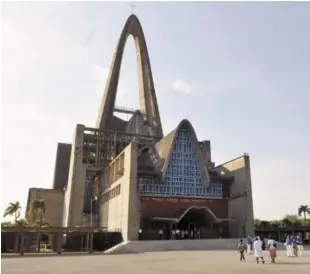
(126, 176)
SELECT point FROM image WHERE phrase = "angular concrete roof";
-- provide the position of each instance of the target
(165, 147)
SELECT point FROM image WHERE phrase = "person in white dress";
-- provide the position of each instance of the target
(288, 245)
(272, 246)
(258, 251)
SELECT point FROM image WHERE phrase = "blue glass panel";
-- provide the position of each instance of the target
(183, 175)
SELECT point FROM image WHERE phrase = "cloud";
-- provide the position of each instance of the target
(182, 86)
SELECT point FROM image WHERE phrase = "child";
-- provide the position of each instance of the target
(241, 250)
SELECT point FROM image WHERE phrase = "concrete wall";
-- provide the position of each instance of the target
(53, 200)
(240, 204)
(62, 165)
(113, 209)
(123, 211)
(74, 195)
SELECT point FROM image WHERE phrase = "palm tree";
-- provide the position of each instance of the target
(13, 209)
(36, 212)
(304, 209)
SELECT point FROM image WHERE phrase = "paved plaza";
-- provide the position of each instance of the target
(158, 262)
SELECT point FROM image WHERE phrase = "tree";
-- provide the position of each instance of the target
(264, 224)
(5, 224)
(286, 221)
(304, 209)
(41, 223)
(22, 223)
(275, 223)
(13, 209)
(36, 211)
(292, 218)
(257, 222)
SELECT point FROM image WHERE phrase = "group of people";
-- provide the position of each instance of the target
(175, 234)
(257, 247)
(293, 245)
(185, 234)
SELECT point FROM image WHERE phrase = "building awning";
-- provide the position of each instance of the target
(176, 216)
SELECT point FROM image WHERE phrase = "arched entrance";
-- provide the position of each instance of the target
(200, 222)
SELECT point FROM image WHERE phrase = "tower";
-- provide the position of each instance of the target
(94, 149)
(147, 96)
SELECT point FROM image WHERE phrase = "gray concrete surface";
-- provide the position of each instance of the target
(180, 262)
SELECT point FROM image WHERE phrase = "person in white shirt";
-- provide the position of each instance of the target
(272, 246)
(288, 245)
(258, 251)
(177, 233)
(140, 234)
(172, 234)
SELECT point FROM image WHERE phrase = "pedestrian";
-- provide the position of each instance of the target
(160, 234)
(177, 233)
(182, 233)
(258, 251)
(294, 245)
(272, 246)
(172, 234)
(300, 245)
(140, 234)
(249, 245)
(241, 250)
(288, 245)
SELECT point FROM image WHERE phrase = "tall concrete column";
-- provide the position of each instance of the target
(240, 203)
(130, 195)
(74, 195)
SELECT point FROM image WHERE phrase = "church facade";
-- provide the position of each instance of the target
(126, 176)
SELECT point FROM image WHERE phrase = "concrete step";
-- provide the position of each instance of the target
(131, 247)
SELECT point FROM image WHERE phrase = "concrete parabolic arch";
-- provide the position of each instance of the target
(147, 96)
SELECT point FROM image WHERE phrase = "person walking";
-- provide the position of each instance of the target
(300, 245)
(249, 245)
(241, 250)
(294, 245)
(272, 246)
(160, 234)
(258, 251)
(288, 245)
(140, 234)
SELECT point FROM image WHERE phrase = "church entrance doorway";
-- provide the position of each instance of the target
(198, 222)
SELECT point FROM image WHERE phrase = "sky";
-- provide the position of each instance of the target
(239, 72)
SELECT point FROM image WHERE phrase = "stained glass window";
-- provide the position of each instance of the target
(183, 175)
